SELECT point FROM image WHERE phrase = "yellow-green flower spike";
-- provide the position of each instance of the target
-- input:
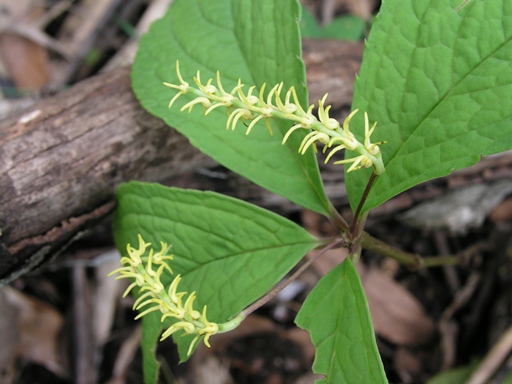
(250, 109)
(146, 272)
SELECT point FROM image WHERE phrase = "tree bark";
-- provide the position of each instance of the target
(62, 159)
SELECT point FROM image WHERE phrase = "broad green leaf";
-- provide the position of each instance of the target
(228, 251)
(344, 28)
(337, 317)
(438, 82)
(256, 41)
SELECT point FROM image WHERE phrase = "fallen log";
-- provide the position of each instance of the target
(61, 161)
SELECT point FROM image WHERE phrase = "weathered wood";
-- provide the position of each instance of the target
(61, 159)
(331, 68)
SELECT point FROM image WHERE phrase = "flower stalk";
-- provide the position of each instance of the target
(251, 108)
(146, 272)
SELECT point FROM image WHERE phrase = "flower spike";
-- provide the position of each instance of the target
(253, 108)
(153, 296)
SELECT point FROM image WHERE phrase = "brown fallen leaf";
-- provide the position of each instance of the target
(26, 61)
(396, 314)
(39, 326)
(503, 211)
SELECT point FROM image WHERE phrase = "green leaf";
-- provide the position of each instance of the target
(507, 379)
(256, 41)
(337, 317)
(308, 24)
(347, 27)
(454, 376)
(228, 251)
(151, 328)
(438, 82)
(461, 375)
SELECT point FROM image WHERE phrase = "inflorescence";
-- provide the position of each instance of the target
(253, 108)
(146, 272)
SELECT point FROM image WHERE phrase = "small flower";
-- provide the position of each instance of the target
(183, 87)
(287, 108)
(204, 101)
(310, 138)
(323, 114)
(357, 163)
(346, 138)
(154, 297)
(251, 109)
(372, 148)
(243, 113)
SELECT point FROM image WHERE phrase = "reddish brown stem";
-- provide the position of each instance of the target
(357, 213)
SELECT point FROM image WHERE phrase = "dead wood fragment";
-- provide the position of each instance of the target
(61, 160)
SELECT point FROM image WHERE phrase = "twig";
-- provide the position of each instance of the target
(85, 371)
(156, 9)
(369, 185)
(34, 34)
(448, 329)
(449, 272)
(55, 11)
(493, 360)
(412, 259)
(82, 31)
(327, 12)
(125, 356)
(338, 220)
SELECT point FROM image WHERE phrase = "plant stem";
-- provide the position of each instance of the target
(338, 220)
(412, 259)
(278, 288)
(355, 219)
